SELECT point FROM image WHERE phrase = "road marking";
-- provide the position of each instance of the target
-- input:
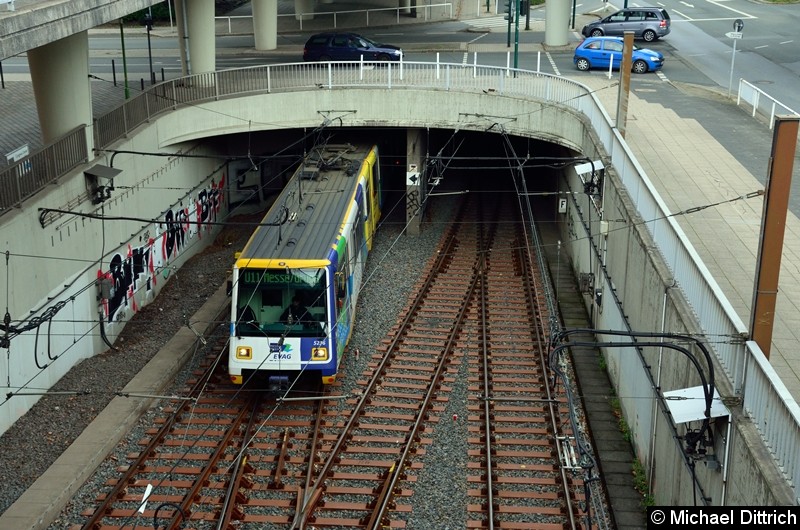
(487, 22)
(786, 42)
(742, 13)
(476, 39)
(552, 63)
(661, 76)
(687, 18)
(687, 4)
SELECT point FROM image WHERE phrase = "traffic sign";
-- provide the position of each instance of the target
(738, 25)
(734, 34)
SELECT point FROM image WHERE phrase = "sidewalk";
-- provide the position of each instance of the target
(694, 152)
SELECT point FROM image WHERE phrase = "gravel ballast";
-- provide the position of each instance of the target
(395, 264)
(57, 420)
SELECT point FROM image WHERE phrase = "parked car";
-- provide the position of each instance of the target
(646, 23)
(600, 52)
(348, 47)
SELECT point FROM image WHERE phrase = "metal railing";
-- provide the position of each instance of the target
(338, 19)
(21, 180)
(766, 400)
(761, 103)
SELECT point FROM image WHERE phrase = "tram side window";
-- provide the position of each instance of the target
(358, 233)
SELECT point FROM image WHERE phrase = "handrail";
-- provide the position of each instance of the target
(300, 17)
(27, 176)
(752, 95)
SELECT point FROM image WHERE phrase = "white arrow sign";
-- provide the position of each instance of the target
(734, 34)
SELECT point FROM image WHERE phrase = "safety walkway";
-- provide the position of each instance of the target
(703, 150)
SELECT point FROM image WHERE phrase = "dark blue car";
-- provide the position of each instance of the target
(348, 47)
(600, 52)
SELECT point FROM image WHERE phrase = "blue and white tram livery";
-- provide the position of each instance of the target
(312, 245)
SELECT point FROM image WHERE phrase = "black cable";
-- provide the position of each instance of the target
(162, 505)
(12, 331)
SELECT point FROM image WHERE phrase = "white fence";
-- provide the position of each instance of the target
(761, 103)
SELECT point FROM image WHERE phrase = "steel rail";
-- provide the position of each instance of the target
(229, 510)
(541, 342)
(314, 445)
(201, 480)
(123, 482)
(312, 496)
(376, 518)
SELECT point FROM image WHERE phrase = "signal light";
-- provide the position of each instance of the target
(511, 8)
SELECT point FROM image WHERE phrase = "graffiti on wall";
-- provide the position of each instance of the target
(132, 274)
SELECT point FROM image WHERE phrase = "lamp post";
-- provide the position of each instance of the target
(148, 23)
(574, 7)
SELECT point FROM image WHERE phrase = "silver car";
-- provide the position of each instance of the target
(646, 23)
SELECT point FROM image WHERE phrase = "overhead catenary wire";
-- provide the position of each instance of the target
(554, 162)
(34, 322)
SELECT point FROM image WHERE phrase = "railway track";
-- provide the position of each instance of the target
(523, 470)
(230, 459)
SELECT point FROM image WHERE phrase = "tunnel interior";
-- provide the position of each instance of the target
(455, 161)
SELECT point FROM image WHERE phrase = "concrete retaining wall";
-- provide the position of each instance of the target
(63, 245)
(637, 287)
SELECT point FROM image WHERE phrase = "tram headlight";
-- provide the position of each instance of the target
(320, 354)
(244, 352)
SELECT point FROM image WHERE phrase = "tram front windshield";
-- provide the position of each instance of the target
(288, 302)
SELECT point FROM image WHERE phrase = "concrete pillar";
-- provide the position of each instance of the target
(201, 33)
(62, 88)
(183, 39)
(416, 146)
(556, 22)
(303, 9)
(265, 24)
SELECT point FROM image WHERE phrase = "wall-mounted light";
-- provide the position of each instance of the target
(100, 182)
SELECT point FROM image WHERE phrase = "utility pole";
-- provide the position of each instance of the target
(773, 227)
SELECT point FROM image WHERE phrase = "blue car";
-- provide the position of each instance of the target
(348, 47)
(598, 52)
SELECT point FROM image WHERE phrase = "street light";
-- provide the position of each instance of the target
(148, 23)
